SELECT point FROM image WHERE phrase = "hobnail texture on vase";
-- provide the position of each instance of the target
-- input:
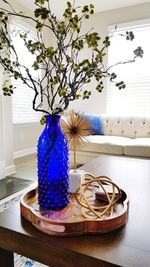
(53, 166)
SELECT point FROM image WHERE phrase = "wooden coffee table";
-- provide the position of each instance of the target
(128, 246)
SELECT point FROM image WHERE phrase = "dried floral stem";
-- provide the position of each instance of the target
(76, 128)
(75, 157)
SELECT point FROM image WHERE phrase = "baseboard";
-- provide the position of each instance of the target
(10, 170)
(24, 152)
(2, 170)
(5, 171)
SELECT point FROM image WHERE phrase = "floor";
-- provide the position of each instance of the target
(26, 167)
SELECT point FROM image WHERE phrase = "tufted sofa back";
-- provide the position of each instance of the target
(127, 126)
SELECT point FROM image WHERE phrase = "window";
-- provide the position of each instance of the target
(23, 95)
(135, 98)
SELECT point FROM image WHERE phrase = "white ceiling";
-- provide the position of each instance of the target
(58, 6)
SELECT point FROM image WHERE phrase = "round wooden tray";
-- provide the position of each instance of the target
(69, 221)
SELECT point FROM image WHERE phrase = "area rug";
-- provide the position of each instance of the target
(20, 261)
(10, 185)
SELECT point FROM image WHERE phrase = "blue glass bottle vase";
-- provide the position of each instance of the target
(53, 166)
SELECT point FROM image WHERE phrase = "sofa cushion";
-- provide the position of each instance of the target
(138, 147)
(106, 144)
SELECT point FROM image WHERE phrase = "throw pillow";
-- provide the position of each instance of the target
(96, 123)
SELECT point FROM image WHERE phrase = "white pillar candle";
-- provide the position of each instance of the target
(75, 179)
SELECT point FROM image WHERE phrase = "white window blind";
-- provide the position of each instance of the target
(135, 98)
(23, 95)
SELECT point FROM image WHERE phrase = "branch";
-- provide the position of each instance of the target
(121, 63)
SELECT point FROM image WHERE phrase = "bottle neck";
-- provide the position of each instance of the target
(52, 121)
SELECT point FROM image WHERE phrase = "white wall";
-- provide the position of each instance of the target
(1, 132)
(100, 22)
(25, 139)
(8, 135)
(2, 165)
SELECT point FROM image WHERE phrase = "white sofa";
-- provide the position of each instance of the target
(129, 136)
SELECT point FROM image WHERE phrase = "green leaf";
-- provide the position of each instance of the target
(42, 12)
(35, 65)
(91, 6)
(43, 120)
(7, 88)
(92, 39)
(41, 2)
(62, 91)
